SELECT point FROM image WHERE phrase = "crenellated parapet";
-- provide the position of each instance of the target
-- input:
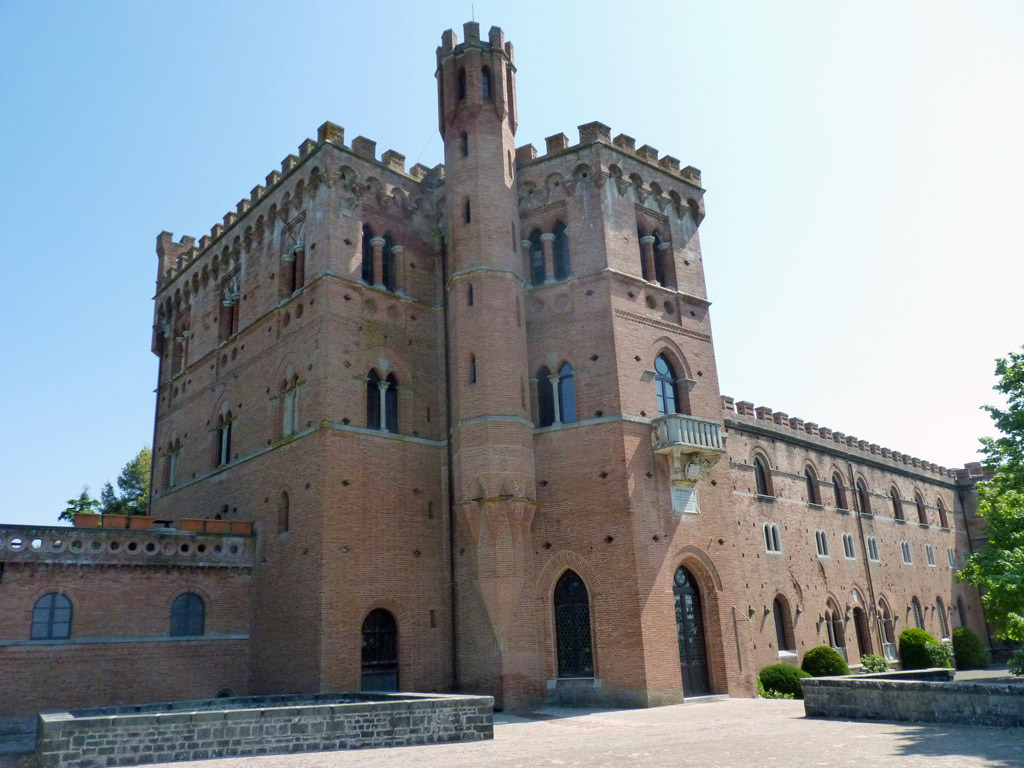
(656, 181)
(283, 194)
(98, 546)
(764, 417)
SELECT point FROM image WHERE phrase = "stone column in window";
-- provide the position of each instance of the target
(527, 261)
(548, 241)
(667, 266)
(378, 261)
(647, 254)
(398, 268)
(554, 379)
(382, 391)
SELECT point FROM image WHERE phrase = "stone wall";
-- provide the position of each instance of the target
(212, 728)
(871, 697)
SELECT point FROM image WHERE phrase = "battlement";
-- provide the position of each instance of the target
(175, 257)
(471, 33)
(110, 546)
(595, 132)
(779, 421)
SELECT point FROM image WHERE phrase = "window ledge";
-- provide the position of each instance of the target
(764, 498)
(900, 520)
(866, 514)
(815, 505)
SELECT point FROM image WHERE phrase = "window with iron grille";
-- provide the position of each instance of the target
(572, 627)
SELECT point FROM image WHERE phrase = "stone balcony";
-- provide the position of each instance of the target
(692, 445)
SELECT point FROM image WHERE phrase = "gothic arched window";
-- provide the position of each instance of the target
(51, 618)
(561, 251)
(666, 386)
(572, 627)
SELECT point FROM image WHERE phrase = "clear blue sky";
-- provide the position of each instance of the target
(863, 164)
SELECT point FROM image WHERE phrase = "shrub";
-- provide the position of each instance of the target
(781, 681)
(1016, 663)
(824, 661)
(969, 651)
(919, 650)
(874, 663)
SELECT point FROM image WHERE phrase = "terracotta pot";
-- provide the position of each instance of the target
(217, 526)
(87, 520)
(242, 527)
(115, 521)
(190, 524)
(140, 523)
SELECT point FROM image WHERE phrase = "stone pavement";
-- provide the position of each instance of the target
(713, 732)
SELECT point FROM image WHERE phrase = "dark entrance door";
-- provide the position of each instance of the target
(690, 625)
(860, 623)
(380, 652)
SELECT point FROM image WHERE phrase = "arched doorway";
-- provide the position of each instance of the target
(693, 657)
(860, 624)
(380, 652)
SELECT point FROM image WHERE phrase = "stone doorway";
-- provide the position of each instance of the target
(693, 657)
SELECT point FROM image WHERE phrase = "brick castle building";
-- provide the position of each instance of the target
(474, 414)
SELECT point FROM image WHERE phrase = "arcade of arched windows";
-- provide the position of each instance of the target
(657, 260)
(382, 265)
(547, 253)
(556, 396)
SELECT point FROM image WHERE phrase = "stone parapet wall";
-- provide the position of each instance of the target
(257, 726)
(885, 697)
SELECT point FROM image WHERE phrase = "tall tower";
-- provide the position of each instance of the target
(493, 488)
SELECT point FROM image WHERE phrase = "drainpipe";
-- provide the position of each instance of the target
(453, 590)
(867, 560)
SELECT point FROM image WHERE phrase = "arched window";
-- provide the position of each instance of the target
(961, 609)
(367, 267)
(173, 454)
(863, 498)
(545, 398)
(661, 255)
(943, 520)
(572, 627)
(772, 540)
(283, 513)
(485, 82)
(940, 609)
(821, 540)
(836, 627)
(224, 438)
(391, 404)
(666, 386)
(388, 262)
(897, 505)
(887, 625)
(566, 394)
(188, 615)
(783, 626)
(51, 618)
(922, 514)
(380, 652)
(915, 606)
(289, 407)
(837, 491)
(464, 143)
(537, 274)
(762, 479)
(561, 251)
(811, 479)
(461, 84)
(381, 401)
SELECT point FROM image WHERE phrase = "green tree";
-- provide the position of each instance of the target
(131, 498)
(998, 568)
(84, 503)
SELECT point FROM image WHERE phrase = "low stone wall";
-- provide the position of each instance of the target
(921, 695)
(197, 730)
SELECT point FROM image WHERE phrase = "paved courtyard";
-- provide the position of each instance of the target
(713, 732)
(733, 732)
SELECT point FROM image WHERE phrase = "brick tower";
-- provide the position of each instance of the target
(493, 489)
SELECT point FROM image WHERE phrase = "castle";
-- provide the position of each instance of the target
(474, 415)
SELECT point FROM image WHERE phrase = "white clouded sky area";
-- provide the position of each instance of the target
(863, 166)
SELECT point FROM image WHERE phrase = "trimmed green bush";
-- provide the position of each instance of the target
(1016, 663)
(919, 650)
(782, 678)
(874, 663)
(969, 651)
(824, 661)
